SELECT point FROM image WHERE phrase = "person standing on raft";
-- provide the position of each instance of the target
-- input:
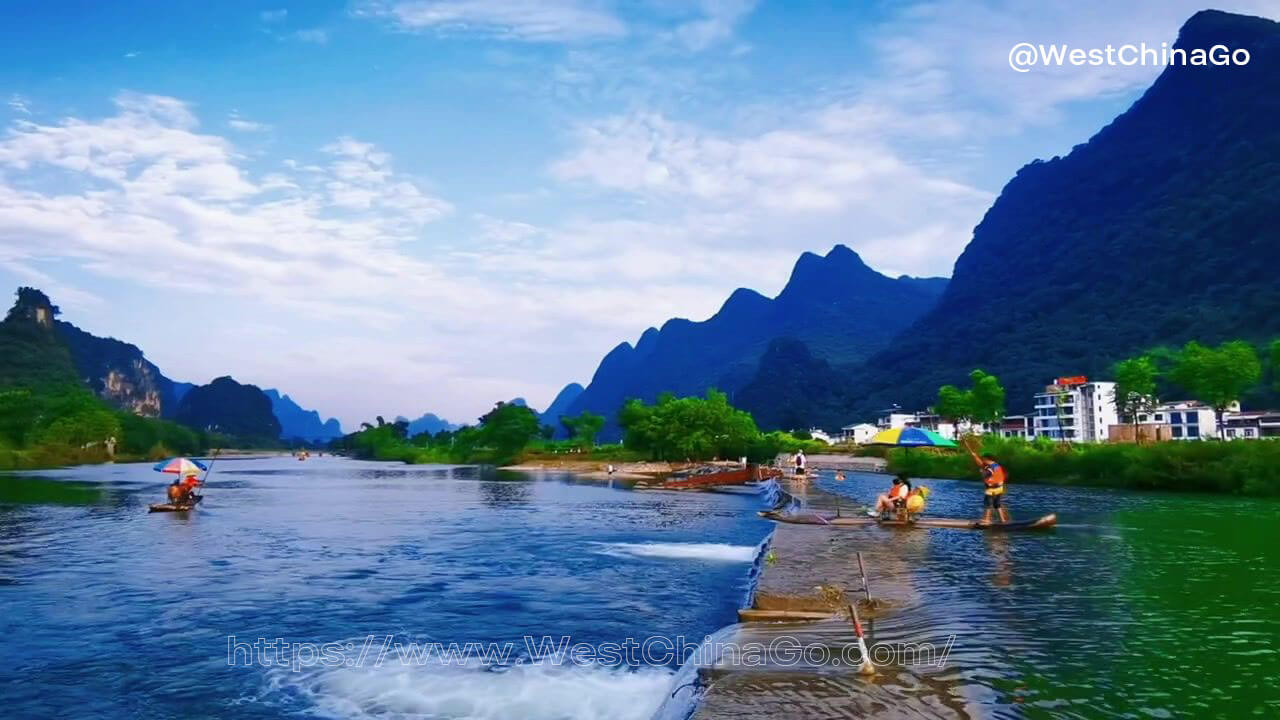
(993, 477)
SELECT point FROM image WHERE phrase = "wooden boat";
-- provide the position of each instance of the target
(1043, 523)
(176, 507)
(717, 478)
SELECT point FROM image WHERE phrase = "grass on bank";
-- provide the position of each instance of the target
(1241, 467)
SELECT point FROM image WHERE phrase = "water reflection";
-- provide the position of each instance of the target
(497, 493)
(36, 490)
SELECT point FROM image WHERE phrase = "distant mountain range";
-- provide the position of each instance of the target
(429, 423)
(560, 405)
(38, 349)
(299, 423)
(228, 407)
(1161, 229)
(841, 309)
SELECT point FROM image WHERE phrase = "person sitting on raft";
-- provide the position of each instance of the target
(993, 477)
(191, 483)
(894, 499)
(176, 492)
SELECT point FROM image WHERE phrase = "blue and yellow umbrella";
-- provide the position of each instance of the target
(910, 437)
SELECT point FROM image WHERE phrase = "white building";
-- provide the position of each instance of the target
(929, 421)
(822, 435)
(859, 433)
(1075, 410)
(1014, 426)
(1251, 425)
(1187, 420)
(894, 418)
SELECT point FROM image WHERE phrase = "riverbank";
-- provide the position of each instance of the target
(1245, 467)
(599, 469)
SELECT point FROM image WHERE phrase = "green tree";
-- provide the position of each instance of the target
(505, 431)
(1135, 391)
(953, 403)
(583, 428)
(691, 427)
(987, 397)
(1217, 376)
(983, 402)
(1275, 363)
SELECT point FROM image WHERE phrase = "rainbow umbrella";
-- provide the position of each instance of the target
(179, 466)
(910, 437)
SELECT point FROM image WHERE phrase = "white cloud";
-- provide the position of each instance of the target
(317, 36)
(338, 250)
(273, 16)
(152, 188)
(235, 122)
(528, 20)
(18, 104)
(716, 23)
(824, 177)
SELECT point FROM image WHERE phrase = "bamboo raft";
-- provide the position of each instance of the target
(1042, 523)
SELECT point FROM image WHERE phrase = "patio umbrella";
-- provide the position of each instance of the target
(180, 466)
(910, 437)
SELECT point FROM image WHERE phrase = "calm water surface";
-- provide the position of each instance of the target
(113, 612)
(1137, 605)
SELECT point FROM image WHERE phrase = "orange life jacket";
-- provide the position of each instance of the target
(899, 492)
(993, 475)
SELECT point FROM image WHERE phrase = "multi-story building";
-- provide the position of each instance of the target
(1011, 426)
(1251, 425)
(1187, 420)
(1073, 409)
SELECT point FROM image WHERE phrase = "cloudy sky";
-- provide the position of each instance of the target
(391, 207)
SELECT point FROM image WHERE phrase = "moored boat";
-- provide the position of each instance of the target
(1042, 523)
(716, 477)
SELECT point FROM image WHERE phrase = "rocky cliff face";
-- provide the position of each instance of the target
(119, 373)
(31, 353)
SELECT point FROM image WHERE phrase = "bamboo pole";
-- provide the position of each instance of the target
(866, 589)
(867, 667)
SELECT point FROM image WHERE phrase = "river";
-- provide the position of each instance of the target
(1136, 605)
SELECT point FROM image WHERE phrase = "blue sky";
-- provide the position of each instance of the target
(398, 206)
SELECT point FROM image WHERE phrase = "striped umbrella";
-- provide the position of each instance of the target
(180, 466)
(910, 437)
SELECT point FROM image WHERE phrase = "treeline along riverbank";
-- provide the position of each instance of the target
(1238, 467)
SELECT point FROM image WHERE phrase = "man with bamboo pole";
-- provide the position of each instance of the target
(993, 477)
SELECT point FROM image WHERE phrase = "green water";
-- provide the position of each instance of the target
(1136, 605)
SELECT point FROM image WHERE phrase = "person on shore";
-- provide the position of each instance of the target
(993, 478)
(800, 460)
(894, 499)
